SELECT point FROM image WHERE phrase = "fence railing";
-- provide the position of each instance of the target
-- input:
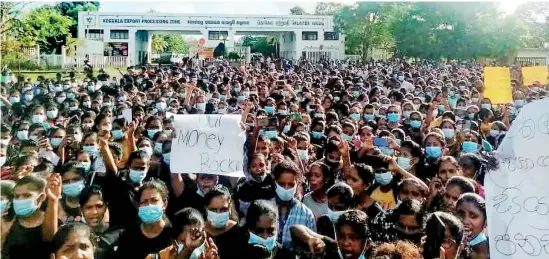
(79, 61)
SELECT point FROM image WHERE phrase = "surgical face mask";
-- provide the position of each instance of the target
(201, 106)
(241, 98)
(147, 150)
(269, 242)
(150, 214)
(286, 129)
(319, 115)
(158, 148)
(107, 127)
(334, 215)
(369, 117)
(384, 178)
(415, 124)
(474, 100)
(24, 207)
(387, 151)
(270, 134)
(14, 100)
(91, 150)
(495, 133)
(449, 133)
(152, 132)
(346, 137)
(486, 106)
(355, 116)
(137, 176)
(283, 112)
(218, 220)
(73, 189)
(117, 134)
(56, 142)
(393, 117)
(404, 162)
(28, 97)
(406, 114)
(469, 147)
(433, 152)
(303, 154)
(51, 114)
(70, 95)
(2, 160)
(161, 106)
(23, 134)
(269, 109)
(86, 104)
(3, 205)
(316, 134)
(519, 103)
(61, 99)
(285, 194)
(37, 118)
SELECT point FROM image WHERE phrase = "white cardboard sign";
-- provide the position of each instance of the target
(208, 144)
(517, 194)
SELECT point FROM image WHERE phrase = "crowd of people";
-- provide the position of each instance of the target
(379, 159)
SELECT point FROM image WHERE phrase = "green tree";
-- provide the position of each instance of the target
(263, 45)
(45, 26)
(297, 10)
(328, 8)
(175, 44)
(158, 43)
(533, 17)
(71, 9)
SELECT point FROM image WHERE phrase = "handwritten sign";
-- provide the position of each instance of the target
(208, 144)
(533, 74)
(497, 85)
(517, 194)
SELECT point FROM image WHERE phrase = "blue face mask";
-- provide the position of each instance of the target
(218, 220)
(369, 117)
(91, 150)
(316, 134)
(433, 152)
(334, 215)
(241, 98)
(269, 109)
(477, 240)
(346, 137)
(270, 134)
(73, 189)
(24, 207)
(151, 133)
(269, 242)
(56, 142)
(355, 116)
(137, 176)
(3, 205)
(285, 194)
(393, 117)
(166, 158)
(384, 178)
(486, 106)
(469, 147)
(158, 148)
(441, 108)
(150, 214)
(387, 151)
(286, 129)
(117, 134)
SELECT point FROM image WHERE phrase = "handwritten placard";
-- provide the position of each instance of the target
(208, 144)
(517, 194)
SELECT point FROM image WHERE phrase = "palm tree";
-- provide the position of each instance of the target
(158, 43)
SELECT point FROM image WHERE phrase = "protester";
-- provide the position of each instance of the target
(341, 160)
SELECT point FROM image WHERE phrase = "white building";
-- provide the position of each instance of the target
(130, 34)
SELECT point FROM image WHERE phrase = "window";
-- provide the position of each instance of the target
(95, 34)
(330, 35)
(218, 35)
(309, 35)
(119, 34)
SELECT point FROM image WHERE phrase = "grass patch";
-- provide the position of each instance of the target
(33, 75)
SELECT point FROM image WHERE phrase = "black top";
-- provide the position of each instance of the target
(133, 244)
(228, 241)
(107, 242)
(24, 243)
(121, 199)
(325, 226)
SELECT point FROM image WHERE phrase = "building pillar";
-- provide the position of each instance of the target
(132, 48)
(149, 47)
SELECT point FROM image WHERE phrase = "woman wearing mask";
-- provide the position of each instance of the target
(444, 199)
(153, 233)
(497, 133)
(222, 221)
(262, 229)
(448, 127)
(435, 148)
(95, 215)
(73, 184)
(259, 184)
(73, 240)
(471, 209)
(6, 208)
(340, 200)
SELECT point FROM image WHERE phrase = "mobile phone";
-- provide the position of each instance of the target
(381, 142)
(263, 121)
(296, 117)
(273, 121)
(280, 83)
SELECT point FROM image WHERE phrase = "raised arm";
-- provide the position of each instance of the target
(53, 194)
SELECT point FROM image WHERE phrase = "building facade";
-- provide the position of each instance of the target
(130, 34)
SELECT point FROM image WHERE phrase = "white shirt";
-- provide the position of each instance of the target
(408, 86)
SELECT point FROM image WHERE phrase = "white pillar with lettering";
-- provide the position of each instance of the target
(132, 48)
(149, 47)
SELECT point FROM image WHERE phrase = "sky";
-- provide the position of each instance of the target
(261, 7)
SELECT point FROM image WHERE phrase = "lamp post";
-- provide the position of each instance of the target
(224, 39)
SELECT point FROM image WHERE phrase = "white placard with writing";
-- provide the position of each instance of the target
(208, 144)
(517, 194)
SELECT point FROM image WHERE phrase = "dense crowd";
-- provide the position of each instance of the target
(342, 160)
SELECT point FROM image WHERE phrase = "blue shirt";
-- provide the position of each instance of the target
(299, 214)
